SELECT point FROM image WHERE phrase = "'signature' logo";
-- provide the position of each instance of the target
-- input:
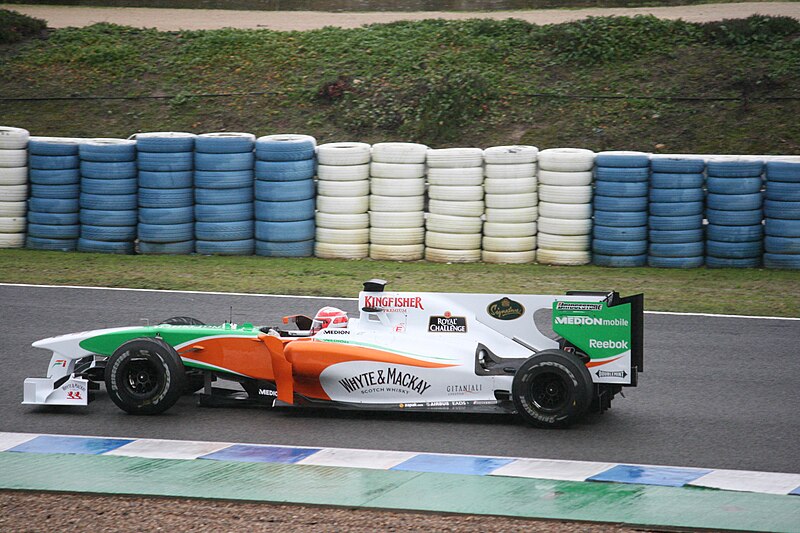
(505, 309)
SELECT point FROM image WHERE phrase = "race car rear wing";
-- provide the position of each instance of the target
(615, 327)
(636, 327)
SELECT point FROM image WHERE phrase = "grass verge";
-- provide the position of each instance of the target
(727, 291)
(603, 83)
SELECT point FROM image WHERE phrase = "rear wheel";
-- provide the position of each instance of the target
(552, 389)
(145, 376)
(183, 321)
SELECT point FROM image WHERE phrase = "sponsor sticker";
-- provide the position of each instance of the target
(385, 380)
(394, 304)
(621, 345)
(611, 374)
(578, 320)
(468, 388)
(75, 391)
(577, 306)
(446, 405)
(505, 309)
(447, 323)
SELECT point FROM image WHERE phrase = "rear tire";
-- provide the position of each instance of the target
(552, 389)
(182, 321)
(145, 376)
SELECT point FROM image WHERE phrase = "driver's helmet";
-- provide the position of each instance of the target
(328, 317)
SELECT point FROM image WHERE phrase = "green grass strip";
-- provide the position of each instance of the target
(353, 487)
(701, 290)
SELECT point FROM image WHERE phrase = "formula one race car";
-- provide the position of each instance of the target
(548, 358)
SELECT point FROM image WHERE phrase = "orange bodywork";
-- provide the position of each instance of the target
(244, 355)
(294, 364)
(298, 364)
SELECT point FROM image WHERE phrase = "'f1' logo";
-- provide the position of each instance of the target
(60, 362)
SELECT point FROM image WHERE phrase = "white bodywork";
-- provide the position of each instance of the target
(66, 350)
(442, 328)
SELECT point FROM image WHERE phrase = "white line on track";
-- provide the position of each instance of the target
(721, 316)
(177, 291)
(337, 298)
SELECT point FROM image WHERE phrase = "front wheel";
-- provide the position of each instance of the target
(552, 389)
(145, 376)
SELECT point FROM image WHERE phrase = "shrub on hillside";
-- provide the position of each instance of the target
(756, 29)
(15, 27)
(603, 39)
(431, 109)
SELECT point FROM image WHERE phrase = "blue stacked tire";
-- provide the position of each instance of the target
(782, 215)
(619, 233)
(53, 215)
(285, 195)
(676, 208)
(165, 163)
(734, 235)
(223, 193)
(108, 196)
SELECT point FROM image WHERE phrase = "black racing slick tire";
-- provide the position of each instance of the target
(182, 321)
(145, 376)
(552, 389)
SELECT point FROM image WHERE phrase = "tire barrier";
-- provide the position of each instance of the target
(343, 189)
(512, 203)
(284, 195)
(13, 186)
(565, 209)
(782, 215)
(397, 182)
(453, 225)
(248, 196)
(51, 179)
(224, 165)
(108, 184)
(676, 199)
(734, 236)
(165, 162)
(621, 188)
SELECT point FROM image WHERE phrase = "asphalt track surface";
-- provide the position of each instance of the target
(717, 392)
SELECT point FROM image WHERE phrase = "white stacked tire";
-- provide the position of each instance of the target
(397, 199)
(782, 215)
(284, 191)
(223, 193)
(512, 200)
(13, 186)
(53, 210)
(455, 209)
(565, 209)
(734, 210)
(342, 201)
(620, 209)
(108, 196)
(166, 192)
(676, 212)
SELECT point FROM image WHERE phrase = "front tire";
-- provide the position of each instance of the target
(552, 389)
(145, 376)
